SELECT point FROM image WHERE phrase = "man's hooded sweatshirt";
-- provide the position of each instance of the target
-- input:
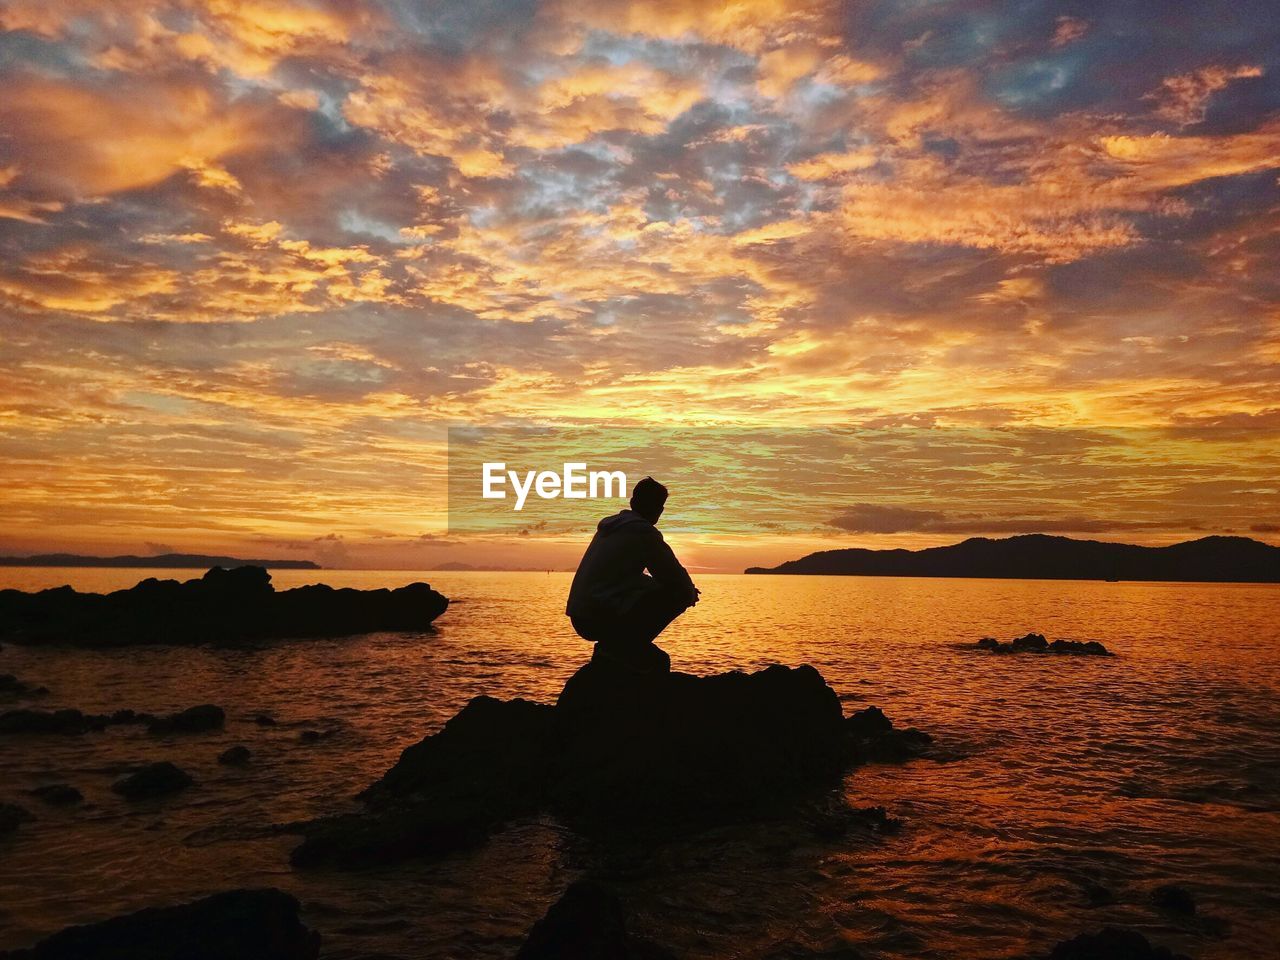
(611, 577)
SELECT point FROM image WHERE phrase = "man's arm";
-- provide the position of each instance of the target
(661, 562)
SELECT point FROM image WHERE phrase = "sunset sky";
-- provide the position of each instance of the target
(259, 257)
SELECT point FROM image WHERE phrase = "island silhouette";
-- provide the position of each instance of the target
(1039, 556)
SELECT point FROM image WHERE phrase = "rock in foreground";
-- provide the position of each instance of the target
(587, 923)
(223, 606)
(1111, 943)
(1036, 643)
(619, 752)
(235, 925)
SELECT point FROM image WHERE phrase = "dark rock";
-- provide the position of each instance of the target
(153, 780)
(11, 816)
(872, 738)
(619, 750)
(1111, 943)
(265, 720)
(1036, 643)
(315, 736)
(236, 756)
(11, 688)
(587, 923)
(58, 794)
(224, 606)
(192, 720)
(1174, 899)
(1096, 895)
(235, 925)
(63, 722)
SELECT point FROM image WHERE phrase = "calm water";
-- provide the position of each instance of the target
(1160, 765)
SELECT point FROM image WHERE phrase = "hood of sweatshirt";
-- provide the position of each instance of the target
(620, 519)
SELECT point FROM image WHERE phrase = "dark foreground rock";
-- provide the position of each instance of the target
(1173, 899)
(587, 923)
(235, 925)
(1112, 943)
(224, 606)
(12, 816)
(617, 752)
(153, 780)
(1036, 643)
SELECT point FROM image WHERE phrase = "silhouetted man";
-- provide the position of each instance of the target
(613, 602)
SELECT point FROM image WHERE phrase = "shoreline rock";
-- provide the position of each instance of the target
(233, 925)
(236, 605)
(153, 780)
(619, 751)
(587, 923)
(1112, 943)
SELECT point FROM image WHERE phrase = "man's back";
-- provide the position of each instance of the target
(611, 575)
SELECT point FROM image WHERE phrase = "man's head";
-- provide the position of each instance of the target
(648, 497)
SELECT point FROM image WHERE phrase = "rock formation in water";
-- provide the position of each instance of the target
(234, 925)
(12, 816)
(199, 719)
(617, 752)
(57, 794)
(153, 780)
(237, 756)
(70, 722)
(1111, 943)
(11, 688)
(224, 606)
(1036, 643)
(587, 923)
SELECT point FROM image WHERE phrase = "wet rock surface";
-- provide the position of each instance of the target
(234, 925)
(66, 723)
(618, 752)
(1037, 643)
(153, 780)
(11, 688)
(1112, 943)
(224, 606)
(587, 923)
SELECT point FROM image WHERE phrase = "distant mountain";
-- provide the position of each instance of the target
(175, 560)
(1041, 557)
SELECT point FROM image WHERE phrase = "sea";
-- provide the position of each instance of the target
(1062, 792)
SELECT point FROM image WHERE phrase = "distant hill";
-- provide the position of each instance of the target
(1041, 557)
(175, 560)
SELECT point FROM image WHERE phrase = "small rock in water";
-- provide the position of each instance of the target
(61, 722)
(1096, 895)
(236, 756)
(1111, 943)
(587, 923)
(1036, 643)
(11, 688)
(153, 780)
(58, 794)
(234, 925)
(1174, 899)
(11, 815)
(192, 720)
(265, 720)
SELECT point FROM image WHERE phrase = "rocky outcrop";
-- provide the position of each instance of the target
(65, 723)
(237, 756)
(618, 751)
(11, 688)
(1036, 643)
(235, 925)
(1111, 943)
(224, 606)
(153, 780)
(199, 719)
(587, 923)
